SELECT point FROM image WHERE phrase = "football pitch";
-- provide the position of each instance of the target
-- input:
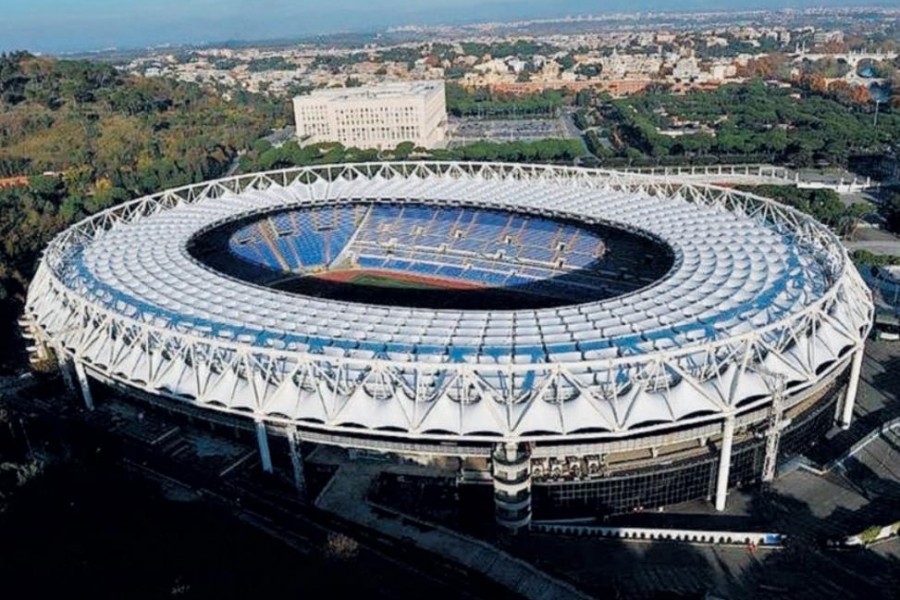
(386, 281)
(411, 290)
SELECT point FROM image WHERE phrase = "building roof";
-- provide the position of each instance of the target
(381, 91)
(890, 273)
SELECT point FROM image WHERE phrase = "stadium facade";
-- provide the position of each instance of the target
(375, 116)
(578, 338)
(884, 282)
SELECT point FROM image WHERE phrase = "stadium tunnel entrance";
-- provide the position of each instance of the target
(434, 256)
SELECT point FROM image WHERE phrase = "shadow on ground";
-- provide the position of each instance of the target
(804, 568)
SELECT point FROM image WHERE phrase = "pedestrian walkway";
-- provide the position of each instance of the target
(346, 496)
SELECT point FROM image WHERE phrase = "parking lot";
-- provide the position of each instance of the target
(463, 131)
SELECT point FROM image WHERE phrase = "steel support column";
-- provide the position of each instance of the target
(839, 407)
(263, 439)
(724, 462)
(67, 370)
(297, 461)
(83, 385)
(852, 388)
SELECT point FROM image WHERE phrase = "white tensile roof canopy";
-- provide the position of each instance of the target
(755, 287)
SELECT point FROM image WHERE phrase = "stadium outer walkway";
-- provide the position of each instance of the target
(346, 493)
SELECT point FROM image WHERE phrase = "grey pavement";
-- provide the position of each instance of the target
(891, 247)
(346, 496)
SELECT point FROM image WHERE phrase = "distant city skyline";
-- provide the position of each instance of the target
(59, 26)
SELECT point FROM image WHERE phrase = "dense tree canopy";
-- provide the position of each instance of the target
(484, 103)
(88, 136)
(866, 258)
(265, 157)
(750, 120)
(523, 49)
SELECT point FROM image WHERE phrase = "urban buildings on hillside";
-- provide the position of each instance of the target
(379, 116)
(687, 51)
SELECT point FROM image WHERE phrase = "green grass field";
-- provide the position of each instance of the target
(391, 282)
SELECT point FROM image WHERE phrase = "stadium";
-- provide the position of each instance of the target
(578, 339)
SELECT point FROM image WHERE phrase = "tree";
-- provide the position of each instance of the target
(864, 257)
(46, 187)
(860, 95)
(580, 118)
(583, 98)
(817, 84)
(261, 145)
(892, 211)
(566, 62)
(403, 150)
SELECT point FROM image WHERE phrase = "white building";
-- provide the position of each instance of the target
(379, 116)
(826, 37)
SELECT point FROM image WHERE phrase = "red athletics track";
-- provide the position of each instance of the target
(349, 275)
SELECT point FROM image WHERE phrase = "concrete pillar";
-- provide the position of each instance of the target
(67, 370)
(724, 462)
(83, 385)
(852, 387)
(839, 408)
(511, 475)
(263, 439)
(297, 461)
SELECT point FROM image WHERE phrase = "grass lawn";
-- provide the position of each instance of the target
(392, 282)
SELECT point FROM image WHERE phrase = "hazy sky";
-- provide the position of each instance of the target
(68, 25)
